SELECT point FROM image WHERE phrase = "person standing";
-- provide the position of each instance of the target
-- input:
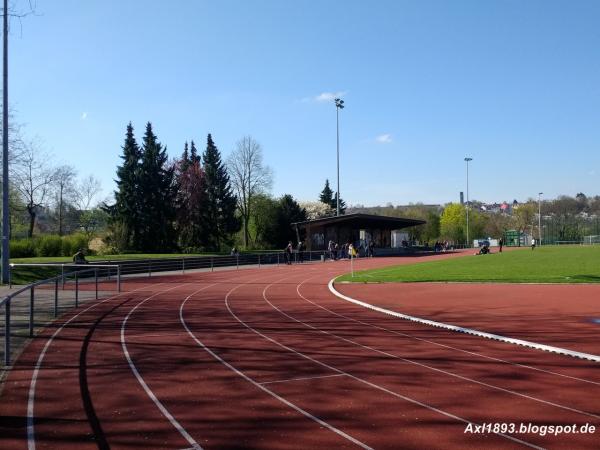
(300, 252)
(288, 253)
(500, 244)
(533, 244)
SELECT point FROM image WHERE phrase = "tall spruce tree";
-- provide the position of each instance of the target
(220, 201)
(342, 204)
(326, 194)
(194, 157)
(190, 202)
(158, 188)
(127, 209)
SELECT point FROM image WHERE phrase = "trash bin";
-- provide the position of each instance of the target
(322, 258)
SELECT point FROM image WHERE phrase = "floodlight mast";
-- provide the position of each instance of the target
(339, 104)
(467, 159)
(540, 217)
(5, 182)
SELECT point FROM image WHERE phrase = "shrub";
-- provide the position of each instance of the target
(49, 245)
(71, 244)
(22, 248)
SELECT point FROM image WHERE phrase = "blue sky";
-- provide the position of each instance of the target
(513, 84)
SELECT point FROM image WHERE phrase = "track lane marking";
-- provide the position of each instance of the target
(435, 369)
(34, 376)
(140, 379)
(525, 366)
(495, 337)
(317, 377)
(360, 380)
(259, 385)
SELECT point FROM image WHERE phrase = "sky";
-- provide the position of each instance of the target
(515, 85)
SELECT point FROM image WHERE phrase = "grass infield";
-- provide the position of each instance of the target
(568, 264)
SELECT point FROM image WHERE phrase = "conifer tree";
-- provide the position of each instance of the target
(127, 209)
(326, 194)
(342, 204)
(185, 158)
(158, 189)
(194, 157)
(220, 201)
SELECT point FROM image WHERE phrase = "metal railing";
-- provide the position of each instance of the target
(44, 299)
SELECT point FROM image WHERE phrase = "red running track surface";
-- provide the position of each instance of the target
(269, 358)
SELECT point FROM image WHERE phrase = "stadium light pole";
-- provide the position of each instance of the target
(339, 104)
(467, 159)
(540, 216)
(5, 183)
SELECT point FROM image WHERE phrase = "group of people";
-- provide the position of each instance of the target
(349, 250)
(289, 250)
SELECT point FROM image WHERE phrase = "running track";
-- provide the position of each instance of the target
(269, 358)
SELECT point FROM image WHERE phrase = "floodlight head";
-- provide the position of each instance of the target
(540, 193)
(339, 103)
(468, 159)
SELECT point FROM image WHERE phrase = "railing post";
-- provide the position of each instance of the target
(278, 259)
(183, 265)
(56, 298)
(237, 261)
(63, 276)
(259, 261)
(96, 276)
(150, 268)
(31, 307)
(118, 278)
(7, 333)
(10, 276)
(212, 264)
(76, 290)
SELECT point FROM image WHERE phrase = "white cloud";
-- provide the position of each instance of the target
(325, 97)
(84, 116)
(384, 138)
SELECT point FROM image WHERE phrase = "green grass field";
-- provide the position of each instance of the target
(568, 264)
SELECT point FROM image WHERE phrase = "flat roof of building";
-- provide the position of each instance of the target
(360, 220)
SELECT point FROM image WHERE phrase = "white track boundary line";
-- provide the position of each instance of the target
(140, 379)
(438, 344)
(260, 386)
(316, 377)
(362, 380)
(495, 337)
(34, 376)
(426, 366)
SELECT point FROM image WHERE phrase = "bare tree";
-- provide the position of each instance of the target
(87, 192)
(33, 178)
(249, 176)
(64, 184)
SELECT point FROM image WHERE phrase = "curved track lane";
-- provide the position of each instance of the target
(270, 358)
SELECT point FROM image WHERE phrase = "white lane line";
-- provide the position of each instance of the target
(140, 379)
(398, 333)
(317, 377)
(38, 365)
(258, 385)
(435, 369)
(495, 337)
(361, 380)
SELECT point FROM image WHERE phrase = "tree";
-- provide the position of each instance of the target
(190, 203)
(220, 204)
(326, 194)
(249, 177)
(288, 212)
(316, 210)
(263, 221)
(453, 222)
(156, 183)
(88, 191)
(342, 204)
(33, 178)
(127, 208)
(64, 183)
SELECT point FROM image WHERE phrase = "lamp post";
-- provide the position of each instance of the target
(540, 217)
(339, 104)
(5, 183)
(467, 159)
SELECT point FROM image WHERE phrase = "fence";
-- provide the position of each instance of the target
(36, 304)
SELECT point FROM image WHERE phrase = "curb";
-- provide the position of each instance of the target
(495, 337)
